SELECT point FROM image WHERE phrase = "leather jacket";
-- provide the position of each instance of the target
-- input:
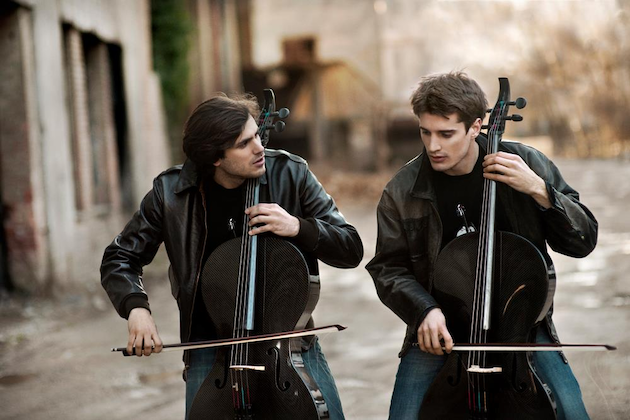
(174, 213)
(410, 231)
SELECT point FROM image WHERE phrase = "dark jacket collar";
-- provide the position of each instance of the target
(189, 177)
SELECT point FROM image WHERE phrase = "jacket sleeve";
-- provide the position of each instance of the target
(570, 227)
(131, 250)
(391, 269)
(338, 244)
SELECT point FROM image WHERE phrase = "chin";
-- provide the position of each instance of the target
(440, 167)
(258, 173)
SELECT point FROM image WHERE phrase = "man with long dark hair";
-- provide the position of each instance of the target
(195, 207)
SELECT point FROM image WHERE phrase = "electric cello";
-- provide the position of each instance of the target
(252, 286)
(493, 287)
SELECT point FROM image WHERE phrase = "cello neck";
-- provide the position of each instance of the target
(485, 258)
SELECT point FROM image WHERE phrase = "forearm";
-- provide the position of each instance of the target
(399, 290)
(338, 245)
(571, 227)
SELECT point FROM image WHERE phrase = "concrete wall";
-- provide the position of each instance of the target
(69, 221)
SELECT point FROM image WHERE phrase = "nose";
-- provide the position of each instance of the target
(258, 147)
(431, 143)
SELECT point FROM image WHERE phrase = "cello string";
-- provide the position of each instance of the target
(492, 231)
(480, 284)
(254, 186)
(234, 350)
(475, 319)
(488, 232)
(473, 384)
(479, 300)
(252, 200)
(237, 350)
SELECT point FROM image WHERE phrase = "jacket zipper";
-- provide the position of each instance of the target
(439, 243)
(203, 250)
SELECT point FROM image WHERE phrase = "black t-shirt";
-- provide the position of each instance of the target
(466, 191)
(225, 216)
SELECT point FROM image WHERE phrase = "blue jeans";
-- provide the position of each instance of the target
(417, 370)
(201, 362)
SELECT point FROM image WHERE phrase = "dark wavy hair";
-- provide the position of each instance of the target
(448, 93)
(214, 126)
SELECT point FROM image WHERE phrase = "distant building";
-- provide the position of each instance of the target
(81, 134)
(334, 109)
(219, 46)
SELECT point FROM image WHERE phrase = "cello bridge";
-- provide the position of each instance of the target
(478, 369)
(247, 367)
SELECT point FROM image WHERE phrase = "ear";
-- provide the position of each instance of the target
(218, 162)
(475, 128)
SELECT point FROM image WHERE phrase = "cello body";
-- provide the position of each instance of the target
(521, 291)
(286, 295)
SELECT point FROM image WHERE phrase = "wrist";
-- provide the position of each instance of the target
(296, 225)
(541, 195)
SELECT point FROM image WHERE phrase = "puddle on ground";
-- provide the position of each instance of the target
(10, 380)
(160, 377)
(620, 301)
(588, 301)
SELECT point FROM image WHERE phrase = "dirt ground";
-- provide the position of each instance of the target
(55, 361)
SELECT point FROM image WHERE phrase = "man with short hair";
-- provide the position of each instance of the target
(417, 218)
(195, 207)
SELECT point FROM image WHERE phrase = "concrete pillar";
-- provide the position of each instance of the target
(54, 129)
(20, 166)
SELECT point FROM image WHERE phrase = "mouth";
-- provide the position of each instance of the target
(260, 161)
(437, 159)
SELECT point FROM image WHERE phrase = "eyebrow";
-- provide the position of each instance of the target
(439, 131)
(250, 138)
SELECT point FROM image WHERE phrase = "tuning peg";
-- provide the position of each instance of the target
(279, 126)
(520, 103)
(515, 117)
(282, 113)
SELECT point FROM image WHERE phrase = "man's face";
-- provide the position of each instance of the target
(245, 159)
(451, 148)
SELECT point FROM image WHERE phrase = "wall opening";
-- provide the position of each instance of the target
(96, 105)
(120, 123)
(17, 228)
(6, 10)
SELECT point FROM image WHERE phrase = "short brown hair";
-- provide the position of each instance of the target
(448, 93)
(214, 126)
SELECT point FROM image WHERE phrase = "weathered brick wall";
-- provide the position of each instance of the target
(22, 223)
(58, 138)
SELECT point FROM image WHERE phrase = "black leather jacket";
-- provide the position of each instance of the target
(174, 212)
(410, 231)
